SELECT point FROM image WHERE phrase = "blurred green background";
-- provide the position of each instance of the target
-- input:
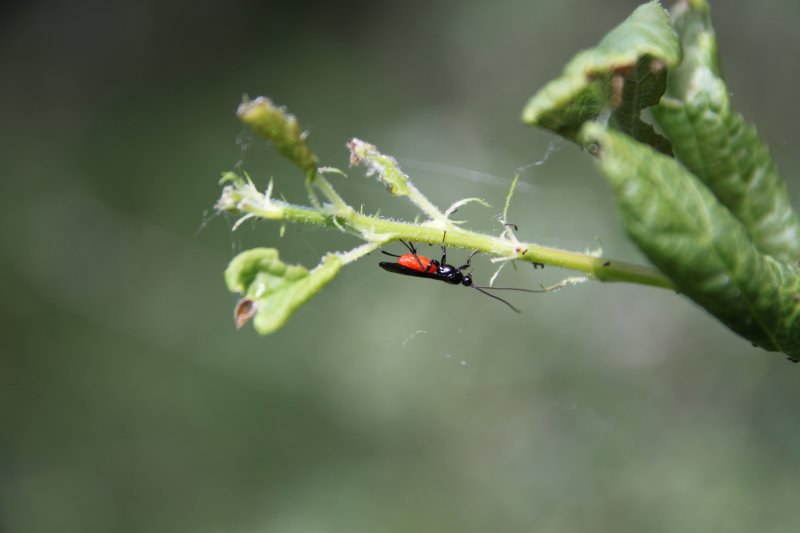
(129, 402)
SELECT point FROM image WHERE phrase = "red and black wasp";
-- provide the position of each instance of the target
(413, 264)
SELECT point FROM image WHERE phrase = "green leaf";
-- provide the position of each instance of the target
(271, 289)
(682, 228)
(281, 127)
(623, 75)
(718, 146)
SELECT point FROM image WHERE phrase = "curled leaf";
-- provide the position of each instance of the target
(273, 290)
(244, 311)
(281, 127)
(624, 74)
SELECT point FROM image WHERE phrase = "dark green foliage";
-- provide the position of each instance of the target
(699, 244)
(620, 77)
(717, 219)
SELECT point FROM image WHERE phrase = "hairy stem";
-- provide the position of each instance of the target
(243, 199)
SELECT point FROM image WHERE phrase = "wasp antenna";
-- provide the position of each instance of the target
(496, 298)
(510, 289)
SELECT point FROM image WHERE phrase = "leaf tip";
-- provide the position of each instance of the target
(243, 311)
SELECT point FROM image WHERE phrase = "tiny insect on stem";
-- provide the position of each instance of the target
(415, 265)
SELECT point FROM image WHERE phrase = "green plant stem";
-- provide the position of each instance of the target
(330, 193)
(246, 200)
(390, 174)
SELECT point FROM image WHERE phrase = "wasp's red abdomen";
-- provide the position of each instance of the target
(420, 263)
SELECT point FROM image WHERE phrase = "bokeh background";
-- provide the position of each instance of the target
(130, 403)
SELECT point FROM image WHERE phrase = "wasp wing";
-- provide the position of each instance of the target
(400, 269)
